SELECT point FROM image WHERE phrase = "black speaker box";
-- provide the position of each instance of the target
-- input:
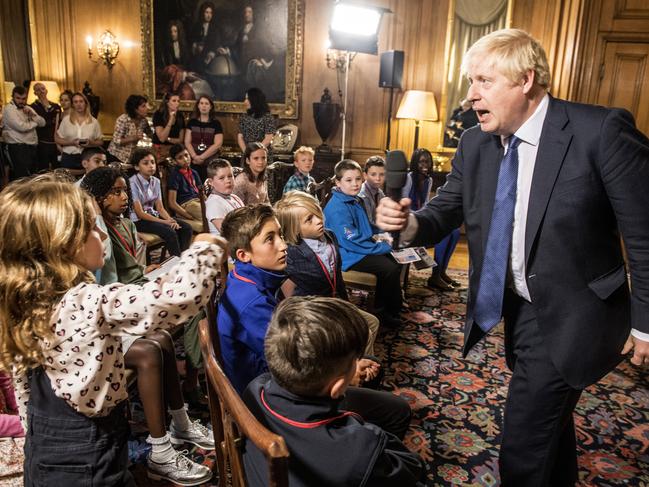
(391, 73)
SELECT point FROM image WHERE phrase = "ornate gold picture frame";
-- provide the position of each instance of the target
(257, 44)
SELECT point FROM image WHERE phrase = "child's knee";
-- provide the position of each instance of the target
(145, 354)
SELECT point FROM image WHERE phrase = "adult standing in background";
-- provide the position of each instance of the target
(257, 124)
(130, 128)
(545, 188)
(204, 135)
(65, 100)
(47, 153)
(168, 125)
(77, 131)
(20, 122)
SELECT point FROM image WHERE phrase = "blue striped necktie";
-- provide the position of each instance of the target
(491, 289)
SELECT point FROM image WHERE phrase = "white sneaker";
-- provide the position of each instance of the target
(196, 434)
(179, 470)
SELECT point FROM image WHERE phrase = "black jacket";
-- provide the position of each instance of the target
(305, 271)
(589, 186)
(327, 446)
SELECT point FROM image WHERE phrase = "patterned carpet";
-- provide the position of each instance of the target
(458, 403)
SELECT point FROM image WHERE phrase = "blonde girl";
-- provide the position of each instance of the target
(60, 332)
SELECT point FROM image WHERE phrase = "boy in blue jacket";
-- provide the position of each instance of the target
(346, 218)
(312, 347)
(255, 240)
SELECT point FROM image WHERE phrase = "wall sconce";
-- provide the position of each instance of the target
(107, 48)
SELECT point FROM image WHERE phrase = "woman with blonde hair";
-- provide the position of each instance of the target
(77, 131)
(60, 333)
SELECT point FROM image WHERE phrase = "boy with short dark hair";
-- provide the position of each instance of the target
(312, 347)
(359, 249)
(256, 244)
(372, 188)
(303, 160)
(183, 189)
(91, 158)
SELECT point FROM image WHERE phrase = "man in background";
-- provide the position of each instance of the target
(20, 122)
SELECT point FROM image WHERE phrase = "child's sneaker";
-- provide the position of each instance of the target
(179, 470)
(196, 434)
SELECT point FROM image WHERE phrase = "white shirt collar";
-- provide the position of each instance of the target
(530, 131)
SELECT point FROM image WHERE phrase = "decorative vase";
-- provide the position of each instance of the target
(326, 116)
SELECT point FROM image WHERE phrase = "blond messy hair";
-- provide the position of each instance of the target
(513, 52)
(44, 223)
(303, 149)
(288, 209)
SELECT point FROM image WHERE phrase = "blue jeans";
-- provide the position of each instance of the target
(66, 448)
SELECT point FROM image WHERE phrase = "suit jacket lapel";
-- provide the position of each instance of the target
(553, 145)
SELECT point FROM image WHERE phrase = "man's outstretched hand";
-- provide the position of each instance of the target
(392, 216)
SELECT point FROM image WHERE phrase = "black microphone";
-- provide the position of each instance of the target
(396, 175)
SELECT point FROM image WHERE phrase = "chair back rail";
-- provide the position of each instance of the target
(232, 421)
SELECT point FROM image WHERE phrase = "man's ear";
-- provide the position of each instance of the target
(528, 80)
(243, 255)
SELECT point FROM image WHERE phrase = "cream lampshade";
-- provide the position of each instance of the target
(418, 105)
(7, 89)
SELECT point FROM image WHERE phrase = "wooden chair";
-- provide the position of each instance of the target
(278, 173)
(232, 421)
(363, 281)
(152, 242)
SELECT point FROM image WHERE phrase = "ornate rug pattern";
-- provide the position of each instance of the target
(458, 403)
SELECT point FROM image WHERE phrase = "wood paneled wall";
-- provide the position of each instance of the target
(568, 29)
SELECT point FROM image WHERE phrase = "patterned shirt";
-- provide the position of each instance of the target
(255, 129)
(146, 192)
(250, 193)
(298, 182)
(126, 127)
(84, 359)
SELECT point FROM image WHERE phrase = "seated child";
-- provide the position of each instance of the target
(372, 189)
(256, 244)
(151, 355)
(182, 189)
(64, 343)
(303, 160)
(314, 267)
(221, 200)
(418, 186)
(91, 158)
(10, 426)
(149, 214)
(312, 347)
(346, 218)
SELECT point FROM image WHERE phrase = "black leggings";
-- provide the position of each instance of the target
(388, 279)
(175, 240)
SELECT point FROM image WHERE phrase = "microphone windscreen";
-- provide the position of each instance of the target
(396, 170)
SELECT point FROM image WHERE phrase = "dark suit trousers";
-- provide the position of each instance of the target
(538, 444)
(23, 160)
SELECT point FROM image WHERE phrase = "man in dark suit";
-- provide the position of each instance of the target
(544, 188)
